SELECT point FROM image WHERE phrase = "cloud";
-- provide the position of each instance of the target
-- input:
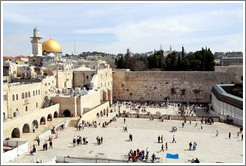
(95, 31)
(14, 17)
(141, 27)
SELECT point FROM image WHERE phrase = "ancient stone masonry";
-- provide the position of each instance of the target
(174, 86)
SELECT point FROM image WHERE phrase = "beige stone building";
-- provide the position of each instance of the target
(50, 92)
(20, 98)
(64, 79)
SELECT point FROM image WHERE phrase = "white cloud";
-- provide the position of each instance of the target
(18, 18)
(95, 31)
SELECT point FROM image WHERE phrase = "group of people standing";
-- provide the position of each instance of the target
(194, 145)
(99, 140)
(137, 155)
(79, 140)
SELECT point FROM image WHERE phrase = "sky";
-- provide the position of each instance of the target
(114, 27)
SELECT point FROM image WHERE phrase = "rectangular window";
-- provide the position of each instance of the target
(29, 94)
(13, 98)
(39, 91)
(34, 93)
(16, 97)
(22, 96)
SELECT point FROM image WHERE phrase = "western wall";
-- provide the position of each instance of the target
(174, 86)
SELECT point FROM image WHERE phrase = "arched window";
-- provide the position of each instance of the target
(87, 77)
(22, 96)
(13, 98)
(29, 94)
(34, 93)
(16, 97)
(25, 94)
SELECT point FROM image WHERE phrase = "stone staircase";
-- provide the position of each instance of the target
(73, 122)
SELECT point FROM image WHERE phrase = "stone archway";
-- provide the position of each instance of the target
(26, 128)
(49, 117)
(15, 133)
(35, 123)
(42, 121)
(67, 113)
(105, 96)
(55, 115)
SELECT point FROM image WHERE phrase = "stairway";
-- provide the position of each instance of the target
(73, 122)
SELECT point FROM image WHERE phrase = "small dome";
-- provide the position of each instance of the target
(50, 45)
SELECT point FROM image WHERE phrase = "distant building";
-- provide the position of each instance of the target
(8, 59)
(226, 61)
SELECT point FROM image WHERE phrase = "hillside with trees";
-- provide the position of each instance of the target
(202, 60)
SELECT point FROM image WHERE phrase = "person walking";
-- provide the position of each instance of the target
(101, 140)
(33, 129)
(130, 137)
(162, 147)
(158, 139)
(38, 140)
(51, 144)
(174, 139)
(74, 141)
(194, 146)
(190, 145)
(242, 137)
(161, 138)
(34, 149)
(166, 146)
(153, 157)
(147, 153)
(229, 135)
(217, 133)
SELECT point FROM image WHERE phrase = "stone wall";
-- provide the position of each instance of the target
(235, 69)
(82, 78)
(92, 114)
(176, 86)
(66, 103)
(88, 101)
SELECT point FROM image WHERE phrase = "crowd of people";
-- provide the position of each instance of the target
(80, 140)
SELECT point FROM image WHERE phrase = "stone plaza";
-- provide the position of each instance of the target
(116, 144)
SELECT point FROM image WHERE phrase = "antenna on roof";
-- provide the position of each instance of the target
(74, 47)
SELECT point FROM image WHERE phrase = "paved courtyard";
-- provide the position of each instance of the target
(210, 149)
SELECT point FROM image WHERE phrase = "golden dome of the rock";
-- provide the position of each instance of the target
(50, 45)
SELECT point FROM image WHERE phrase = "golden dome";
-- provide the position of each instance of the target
(50, 45)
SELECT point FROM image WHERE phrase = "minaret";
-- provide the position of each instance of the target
(36, 43)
